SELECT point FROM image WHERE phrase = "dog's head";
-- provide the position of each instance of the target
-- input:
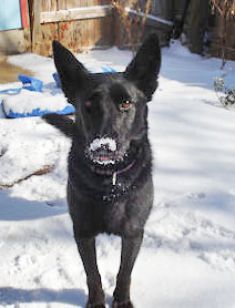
(111, 109)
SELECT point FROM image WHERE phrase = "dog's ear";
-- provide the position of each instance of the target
(63, 123)
(144, 68)
(75, 79)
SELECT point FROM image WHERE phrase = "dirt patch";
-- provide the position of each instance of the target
(10, 72)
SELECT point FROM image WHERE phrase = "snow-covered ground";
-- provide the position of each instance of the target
(188, 255)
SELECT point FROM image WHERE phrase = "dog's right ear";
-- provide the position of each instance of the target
(63, 123)
(144, 68)
(75, 78)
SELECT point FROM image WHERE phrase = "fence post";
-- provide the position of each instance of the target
(36, 26)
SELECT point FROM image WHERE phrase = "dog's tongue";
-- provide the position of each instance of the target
(104, 160)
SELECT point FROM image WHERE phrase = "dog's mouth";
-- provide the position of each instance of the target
(104, 155)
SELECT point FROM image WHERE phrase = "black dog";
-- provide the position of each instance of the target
(110, 185)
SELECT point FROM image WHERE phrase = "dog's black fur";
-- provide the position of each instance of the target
(109, 189)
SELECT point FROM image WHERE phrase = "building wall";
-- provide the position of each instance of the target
(10, 15)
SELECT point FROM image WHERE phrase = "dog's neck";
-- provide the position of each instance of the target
(113, 185)
(119, 172)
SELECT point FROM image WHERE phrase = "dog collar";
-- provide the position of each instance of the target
(118, 172)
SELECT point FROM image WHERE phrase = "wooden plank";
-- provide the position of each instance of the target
(66, 34)
(77, 35)
(49, 33)
(36, 26)
(27, 39)
(62, 5)
(92, 2)
(107, 33)
(45, 5)
(66, 29)
(54, 5)
(75, 3)
(72, 4)
(76, 14)
(98, 32)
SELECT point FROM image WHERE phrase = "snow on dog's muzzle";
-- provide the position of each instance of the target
(98, 143)
(103, 151)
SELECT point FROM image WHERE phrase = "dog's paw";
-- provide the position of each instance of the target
(100, 305)
(127, 304)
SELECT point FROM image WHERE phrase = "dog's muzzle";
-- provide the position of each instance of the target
(103, 151)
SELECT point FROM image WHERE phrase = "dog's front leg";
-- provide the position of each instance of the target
(86, 248)
(130, 250)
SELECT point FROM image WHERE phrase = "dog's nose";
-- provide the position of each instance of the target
(107, 144)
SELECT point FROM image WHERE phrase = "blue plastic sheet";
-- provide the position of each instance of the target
(34, 84)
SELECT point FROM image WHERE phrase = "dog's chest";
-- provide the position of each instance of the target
(115, 206)
(114, 217)
(115, 191)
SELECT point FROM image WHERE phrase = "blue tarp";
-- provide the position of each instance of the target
(33, 84)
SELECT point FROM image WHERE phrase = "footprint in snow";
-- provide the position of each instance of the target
(200, 195)
(223, 260)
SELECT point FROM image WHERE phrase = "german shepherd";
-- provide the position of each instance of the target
(110, 188)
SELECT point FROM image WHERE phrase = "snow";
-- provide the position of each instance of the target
(99, 142)
(188, 255)
(27, 101)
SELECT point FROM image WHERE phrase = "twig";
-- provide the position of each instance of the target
(44, 170)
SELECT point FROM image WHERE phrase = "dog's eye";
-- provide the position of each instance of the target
(125, 105)
(88, 105)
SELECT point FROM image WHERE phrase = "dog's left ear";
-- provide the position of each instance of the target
(144, 68)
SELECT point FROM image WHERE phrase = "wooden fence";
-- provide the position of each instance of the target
(83, 24)
(76, 24)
